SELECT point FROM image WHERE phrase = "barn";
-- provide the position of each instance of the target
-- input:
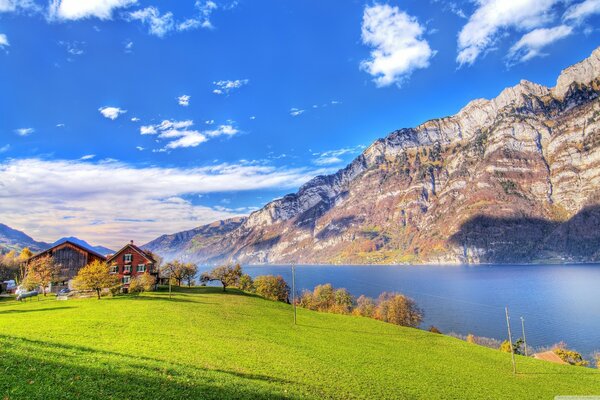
(70, 257)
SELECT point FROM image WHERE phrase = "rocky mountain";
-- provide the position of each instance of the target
(98, 249)
(512, 179)
(190, 245)
(12, 239)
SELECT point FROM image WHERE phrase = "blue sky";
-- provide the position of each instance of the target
(125, 119)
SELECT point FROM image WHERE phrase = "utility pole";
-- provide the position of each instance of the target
(294, 291)
(524, 339)
(512, 350)
(170, 282)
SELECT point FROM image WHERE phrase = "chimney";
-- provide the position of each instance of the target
(131, 241)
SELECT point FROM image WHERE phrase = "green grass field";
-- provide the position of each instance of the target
(206, 344)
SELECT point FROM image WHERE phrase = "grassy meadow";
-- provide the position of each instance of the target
(205, 344)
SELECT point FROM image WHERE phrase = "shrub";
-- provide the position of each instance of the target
(272, 288)
(398, 309)
(471, 338)
(433, 329)
(142, 283)
(246, 283)
(365, 307)
(327, 299)
(571, 357)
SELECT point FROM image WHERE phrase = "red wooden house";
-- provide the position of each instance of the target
(132, 261)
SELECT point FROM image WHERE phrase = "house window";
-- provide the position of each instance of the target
(141, 268)
(114, 269)
(127, 257)
(127, 269)
(126, 279)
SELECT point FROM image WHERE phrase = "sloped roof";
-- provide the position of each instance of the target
(549, 356)
(87, 250)
(135, 248)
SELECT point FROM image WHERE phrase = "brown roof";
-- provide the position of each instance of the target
(135, 248)
(90, 251)
(549, 356)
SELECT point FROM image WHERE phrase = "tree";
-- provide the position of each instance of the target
(226, 274)
(174, 270)
(9, 266)
(597, 360)
(246, 283)
(189, 273)
(517, 347)
(95, 276)
(272, 288)
(398, 309)
(434, 329)
(471, 339)
(365, 307)
(327, 299)
(42, 271)
(142, 283)
(25, 254)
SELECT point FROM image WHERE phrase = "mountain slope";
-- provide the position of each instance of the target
(512, 179)
(12, 239)
(190, 244)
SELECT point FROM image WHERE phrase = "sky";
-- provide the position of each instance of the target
(127, 119)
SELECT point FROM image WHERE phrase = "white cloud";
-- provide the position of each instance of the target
(110, 202)
(327, 160)
(128, 47)
(399, 48)
(140, 148)
(24, 131)
(184, 100)
(135, 119)
(295, 112)
(4, 40)
(74, 48)
(225, 87)
(111, 112)
(78, 9)
(88, 157)
(60, 125)
(492, 17)
(532, 43)
(179, 135)
(158, 25)
(579, 12)
(4, 148)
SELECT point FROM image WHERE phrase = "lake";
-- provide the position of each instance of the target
(558, 302)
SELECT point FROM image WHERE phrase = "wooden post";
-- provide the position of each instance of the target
(512, 350)
(294, 292)
(524, 339)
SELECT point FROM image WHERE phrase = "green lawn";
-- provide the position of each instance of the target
(206, 344)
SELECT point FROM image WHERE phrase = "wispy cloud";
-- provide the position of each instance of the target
(111, 112)
(184, 100)
(532, 43)
(295, 112)
(4, 148)
(580, 11)
(3, 40)
(397, 42)
(331, 157)
(494, 17)
(24, 131)
(78, 9)
(178, 134)
(225, 87)
(156, 198)
(88, 157)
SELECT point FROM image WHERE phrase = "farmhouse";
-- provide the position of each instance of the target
(130, 262)
(70, 257)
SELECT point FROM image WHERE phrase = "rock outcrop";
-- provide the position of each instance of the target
(512, 179)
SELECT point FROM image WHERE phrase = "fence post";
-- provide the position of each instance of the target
(512, 350)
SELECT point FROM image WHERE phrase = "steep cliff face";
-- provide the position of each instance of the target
(515, 178)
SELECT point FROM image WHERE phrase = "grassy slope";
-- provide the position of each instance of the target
(205, 344)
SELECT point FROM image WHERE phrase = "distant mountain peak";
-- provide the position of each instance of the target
(98, 249)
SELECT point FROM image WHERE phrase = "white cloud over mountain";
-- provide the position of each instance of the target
(532, 43)
(111, 202)
(178, 134)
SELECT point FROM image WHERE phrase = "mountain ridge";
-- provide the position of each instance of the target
(530, 154)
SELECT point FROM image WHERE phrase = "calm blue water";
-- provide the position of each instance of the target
(558, 302)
